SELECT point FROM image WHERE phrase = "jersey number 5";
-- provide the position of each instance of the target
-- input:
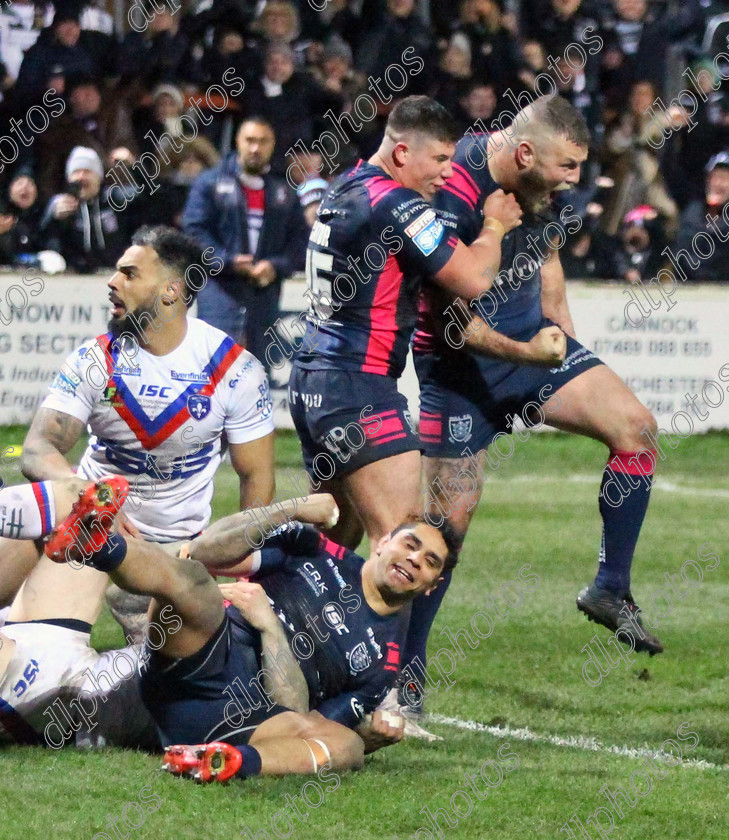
(317, 261)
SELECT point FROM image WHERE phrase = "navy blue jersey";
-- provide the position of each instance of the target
(348, 653)
(373, 243)
(515, 300)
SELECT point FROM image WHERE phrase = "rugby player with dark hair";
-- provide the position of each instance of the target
(342, 617)
(219, 674)
(157, 392)
(375, 240)
(474, 380)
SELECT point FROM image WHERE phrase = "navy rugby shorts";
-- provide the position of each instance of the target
(347, 419)
(208, 696)
(465, 399)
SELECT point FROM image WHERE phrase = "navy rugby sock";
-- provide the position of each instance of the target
(624, 495)
(111, 554)
(421, 620)
(251, 761)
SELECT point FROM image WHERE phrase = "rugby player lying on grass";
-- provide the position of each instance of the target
(196, 685)
(55, 689)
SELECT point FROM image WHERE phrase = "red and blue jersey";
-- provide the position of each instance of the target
(373, 244)
(158, 420)
(348, 653)
(515, 300)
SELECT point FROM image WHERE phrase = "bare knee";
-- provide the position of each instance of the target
(637, 429)
(346, 748)
(454, 490)
(350, 752)
(194, 573)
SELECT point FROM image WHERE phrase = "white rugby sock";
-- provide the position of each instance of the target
(27, 511)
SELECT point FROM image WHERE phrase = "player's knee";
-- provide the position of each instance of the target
(356, 759)
(194, 573)
(459, 519)
(638, 428)
(346, 748)
(347, 751)
(644, 428)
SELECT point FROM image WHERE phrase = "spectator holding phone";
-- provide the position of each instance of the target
(79, 222)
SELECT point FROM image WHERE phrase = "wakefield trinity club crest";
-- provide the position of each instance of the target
(198, 406)
(459, 428)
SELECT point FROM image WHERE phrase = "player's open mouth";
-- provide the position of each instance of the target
(117, 307)
(401, 573)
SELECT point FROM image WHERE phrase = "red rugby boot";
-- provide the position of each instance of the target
(91, 521)
(214, 762)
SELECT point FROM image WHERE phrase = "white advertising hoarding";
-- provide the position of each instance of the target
(671, 354)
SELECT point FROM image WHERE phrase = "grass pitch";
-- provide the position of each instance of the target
(540, 508)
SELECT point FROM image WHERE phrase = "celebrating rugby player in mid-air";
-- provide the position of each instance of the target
(468, 399)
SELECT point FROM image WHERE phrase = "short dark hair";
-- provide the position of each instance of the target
(446, 530)
(425, 115)
(561, 116)
(176, 250)
(80, 80)
(257, 119)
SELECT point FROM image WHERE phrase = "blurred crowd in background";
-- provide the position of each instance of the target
(84, 100)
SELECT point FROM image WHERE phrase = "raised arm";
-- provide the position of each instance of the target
(229, 543)
(471, 269)
(51, 435)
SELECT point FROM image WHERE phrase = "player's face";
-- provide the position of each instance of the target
(552, 165)
(136, 286)
(411, 561)
(426, 165)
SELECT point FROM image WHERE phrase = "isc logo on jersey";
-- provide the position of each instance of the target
(154, 391)
(426, 232)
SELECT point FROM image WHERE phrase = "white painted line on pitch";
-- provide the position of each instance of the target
(670, 487)
(661, 484)
(578, 742)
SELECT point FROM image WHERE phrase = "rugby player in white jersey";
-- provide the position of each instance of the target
(55, 689)
(157, 393)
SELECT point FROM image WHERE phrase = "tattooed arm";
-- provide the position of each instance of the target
(51, 435)
(283, 680)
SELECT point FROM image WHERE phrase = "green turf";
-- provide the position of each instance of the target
(539, 508)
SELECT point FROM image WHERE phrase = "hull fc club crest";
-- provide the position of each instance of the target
(459, 428)
(359, 658)
(198, 406)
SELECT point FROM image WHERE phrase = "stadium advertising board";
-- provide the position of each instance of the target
(669, 355)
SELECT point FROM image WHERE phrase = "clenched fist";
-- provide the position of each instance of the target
(548, 347)
(503, 207)
(318, 509)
